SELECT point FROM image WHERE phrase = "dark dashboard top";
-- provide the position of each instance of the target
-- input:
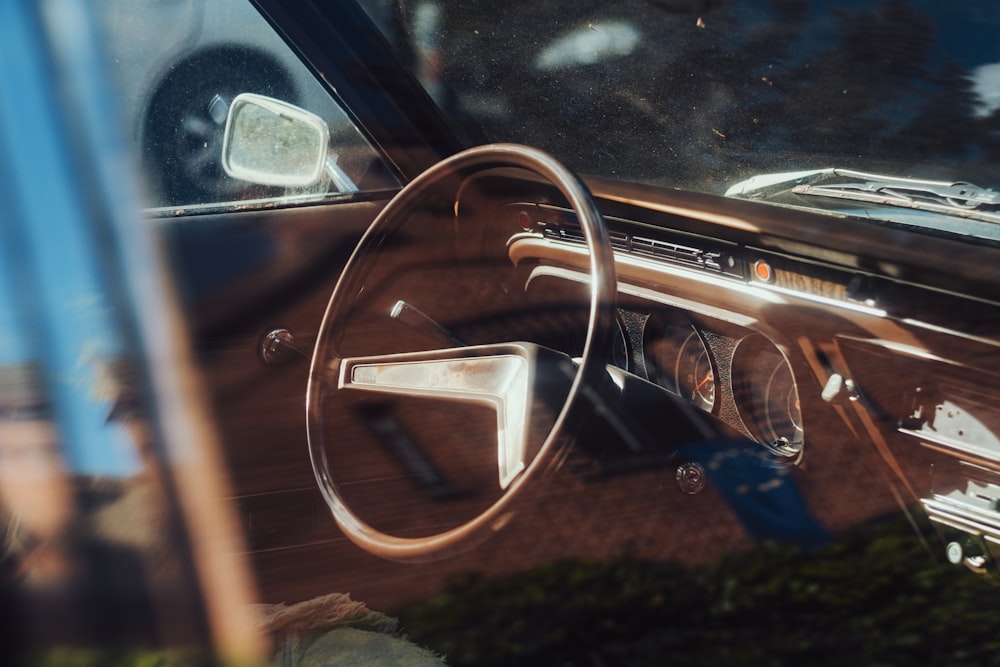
(968, 269)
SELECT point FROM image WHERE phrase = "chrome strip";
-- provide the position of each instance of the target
(648, 294)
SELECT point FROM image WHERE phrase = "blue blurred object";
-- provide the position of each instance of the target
(761, 492)
(60, 311)
(96, 551)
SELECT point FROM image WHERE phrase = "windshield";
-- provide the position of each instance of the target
(704, 94)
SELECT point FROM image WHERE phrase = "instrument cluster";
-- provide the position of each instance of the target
(735, 374)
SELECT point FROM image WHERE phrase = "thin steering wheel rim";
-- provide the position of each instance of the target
(591, 366)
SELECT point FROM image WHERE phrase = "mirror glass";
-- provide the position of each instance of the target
(274, 143)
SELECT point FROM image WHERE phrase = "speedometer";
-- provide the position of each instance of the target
(766, 396)
(679, 360)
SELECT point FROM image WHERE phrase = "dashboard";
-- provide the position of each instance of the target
(808, 335)
(821, 373)
(792, 374)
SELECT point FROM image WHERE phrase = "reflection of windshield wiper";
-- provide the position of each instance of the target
(954, 199)
(895, 191)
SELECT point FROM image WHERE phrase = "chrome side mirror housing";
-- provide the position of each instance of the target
(271, 142)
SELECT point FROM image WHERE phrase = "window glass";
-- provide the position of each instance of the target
(179, 66)
(699, 94)
(704, 95)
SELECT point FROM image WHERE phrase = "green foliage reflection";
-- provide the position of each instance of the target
(877, 597)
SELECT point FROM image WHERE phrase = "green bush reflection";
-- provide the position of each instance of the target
(876, 597)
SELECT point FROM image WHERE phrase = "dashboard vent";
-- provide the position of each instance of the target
(655, 248)
(574, 234)
(721, 260)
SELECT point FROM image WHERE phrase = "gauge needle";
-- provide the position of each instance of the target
(708, 378)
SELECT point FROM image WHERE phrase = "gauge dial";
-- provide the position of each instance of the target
(783, 416)
(693, 374)
(679, 360)
(767, 397)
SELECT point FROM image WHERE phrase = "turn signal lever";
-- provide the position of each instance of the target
(415, 318)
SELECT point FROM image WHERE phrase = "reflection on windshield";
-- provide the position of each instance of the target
(714, 93)
(986, 83)
(959, 209)
(589, 45)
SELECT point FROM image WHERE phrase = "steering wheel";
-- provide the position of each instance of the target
(505, 377)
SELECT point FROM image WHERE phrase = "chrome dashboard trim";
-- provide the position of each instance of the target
(632, 269)
(647, 294)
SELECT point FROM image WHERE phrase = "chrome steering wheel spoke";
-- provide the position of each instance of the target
(502, 377)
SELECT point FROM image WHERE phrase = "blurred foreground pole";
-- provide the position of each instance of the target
(92, 293)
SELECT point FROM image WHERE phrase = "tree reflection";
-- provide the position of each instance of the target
(748, 87)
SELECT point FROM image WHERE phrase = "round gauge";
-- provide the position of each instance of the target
(766, 396)
(784, 415)
(693, 374)
(679, 361)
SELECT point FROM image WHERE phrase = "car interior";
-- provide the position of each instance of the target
(442, 387)
(703, 374)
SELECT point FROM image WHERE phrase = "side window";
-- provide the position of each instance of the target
(180, 64)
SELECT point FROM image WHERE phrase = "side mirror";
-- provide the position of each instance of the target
(271, 142)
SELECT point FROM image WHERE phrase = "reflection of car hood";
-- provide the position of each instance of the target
(949, 207)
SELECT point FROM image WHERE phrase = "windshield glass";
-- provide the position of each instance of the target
(704, 94)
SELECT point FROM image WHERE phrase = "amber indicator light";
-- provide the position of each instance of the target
(762, 271)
